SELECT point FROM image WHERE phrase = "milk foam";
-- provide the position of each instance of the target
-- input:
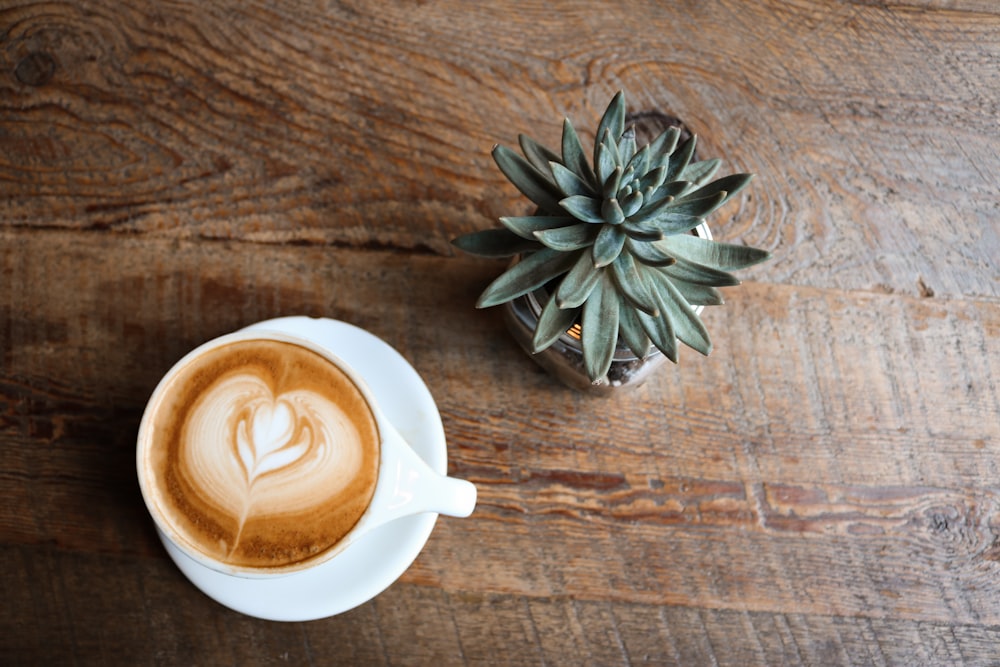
(246, 449)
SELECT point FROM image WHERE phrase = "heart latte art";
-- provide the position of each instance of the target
(264, 454)
(251, 452)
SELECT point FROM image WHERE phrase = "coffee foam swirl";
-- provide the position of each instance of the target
(271, 454)
(246, 448)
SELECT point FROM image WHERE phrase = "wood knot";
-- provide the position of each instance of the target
(35, 69)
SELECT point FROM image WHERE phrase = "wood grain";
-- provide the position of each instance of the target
(720, 488)
(819, 491)
(361, 124)
(415, 625)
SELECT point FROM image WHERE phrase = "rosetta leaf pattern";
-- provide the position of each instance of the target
(270, 437)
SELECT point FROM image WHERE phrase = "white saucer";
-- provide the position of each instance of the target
(369, 566)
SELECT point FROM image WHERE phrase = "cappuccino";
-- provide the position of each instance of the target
(259, 454)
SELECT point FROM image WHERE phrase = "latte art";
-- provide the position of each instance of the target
(268, 454)
(247, 448)
(270, 436)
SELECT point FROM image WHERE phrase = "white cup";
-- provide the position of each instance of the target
(405, 484)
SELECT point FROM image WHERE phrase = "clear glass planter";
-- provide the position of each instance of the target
(564, 358)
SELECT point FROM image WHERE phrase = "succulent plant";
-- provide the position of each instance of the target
(612, 242)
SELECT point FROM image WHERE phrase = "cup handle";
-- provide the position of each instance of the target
(407, 485)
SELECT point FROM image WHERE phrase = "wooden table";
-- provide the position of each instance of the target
(823, 489)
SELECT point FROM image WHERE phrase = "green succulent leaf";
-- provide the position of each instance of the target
(626, 145)
(607, 159)
(632, 203)
(661, 210)
(612, 123)
(713, 254)
(660, 332)
(700, 274)
(649, 212)
(650, 254)
(667, 221)
(631, 285)
(664, 145)
(574, 237)
(569, 182)
(639, 163)
(583, 207)
(538, 155)
(577, 284)
(573, 156)
(642, 231)
(695, 207)
(599, 328)
(681, 159)
(608, 245)
(526, 226)
(529, 274)
(612, 212)
(532, 183)
(614, 182)
(699, 172)
(494, 243)
(698, 295)
(729, 185)
(668, 191)
(687, 325)
(552, 323)
(628, 175)
(630, 330)
(650, 182)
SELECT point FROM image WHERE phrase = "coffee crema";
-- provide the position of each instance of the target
(261, 454)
